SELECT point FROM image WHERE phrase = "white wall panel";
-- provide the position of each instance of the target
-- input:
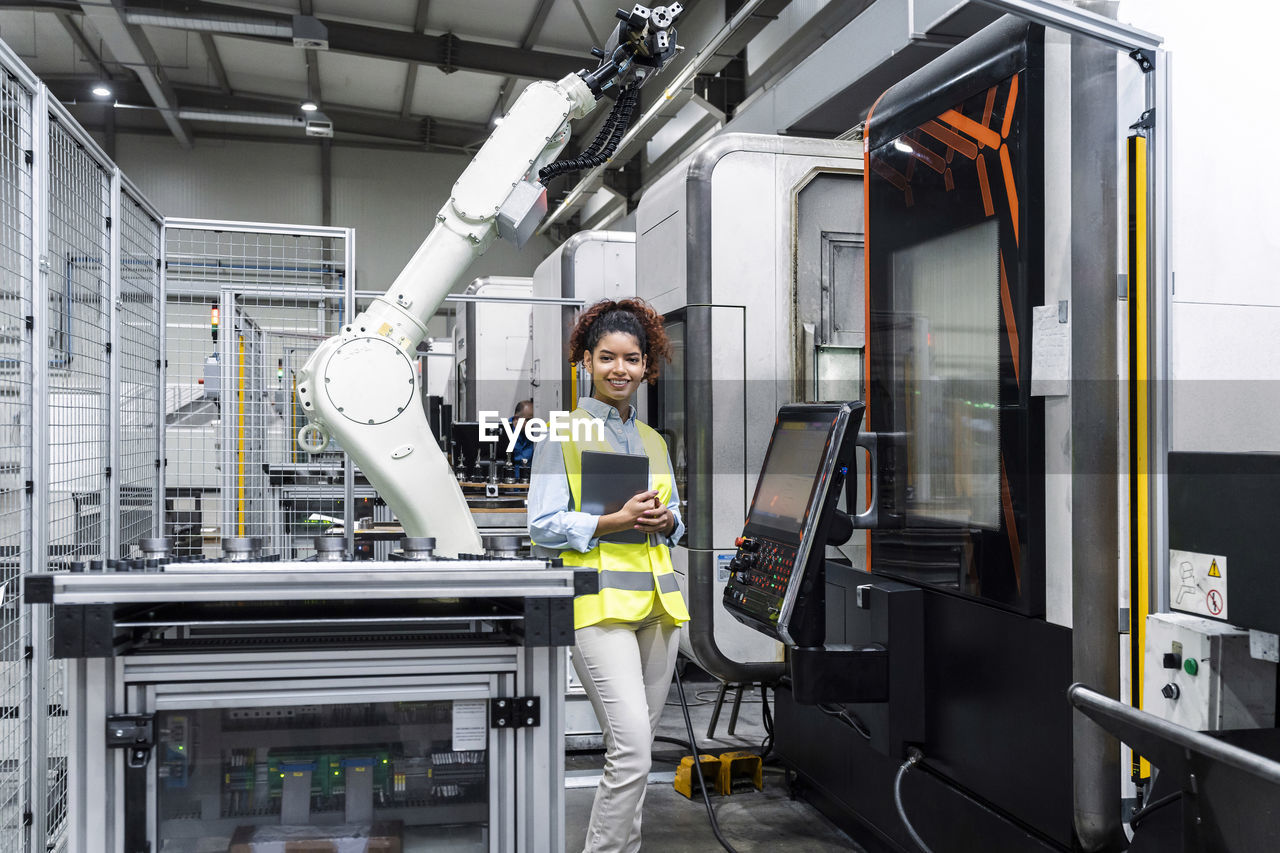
(1226, 370)
(389, 197)
(1226, 228)
(258, 182)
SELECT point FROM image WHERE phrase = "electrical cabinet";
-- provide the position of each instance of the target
(1198, 673)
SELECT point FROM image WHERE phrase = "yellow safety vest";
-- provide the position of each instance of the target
(630, 574)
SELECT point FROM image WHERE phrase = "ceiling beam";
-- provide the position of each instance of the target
(78, 36)
(129, 45)
(137, 124)
(411, 72)
(447, 52)
(215, 59)
(424, 131)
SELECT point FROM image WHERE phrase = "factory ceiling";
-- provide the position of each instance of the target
(414, 73)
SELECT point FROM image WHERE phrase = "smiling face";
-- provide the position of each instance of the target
(616, 366)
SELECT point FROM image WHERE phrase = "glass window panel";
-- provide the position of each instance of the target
(670, 420)
(839, 373)
(392, 775)
(948, 291)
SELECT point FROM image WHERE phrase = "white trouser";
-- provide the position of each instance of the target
(626, 670)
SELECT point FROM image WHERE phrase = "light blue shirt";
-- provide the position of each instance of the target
(554, 525)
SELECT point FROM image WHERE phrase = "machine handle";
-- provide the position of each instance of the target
(870, 518)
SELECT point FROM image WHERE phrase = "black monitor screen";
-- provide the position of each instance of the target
(793, 468)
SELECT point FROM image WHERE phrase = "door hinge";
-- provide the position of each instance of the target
(519, 712)
(134, 732)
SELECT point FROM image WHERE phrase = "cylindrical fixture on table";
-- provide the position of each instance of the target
(501, 545)
(330, 549)
(241, 549)
(156, 547)
(418, 547)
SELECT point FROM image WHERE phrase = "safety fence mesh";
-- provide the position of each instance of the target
(245, 308)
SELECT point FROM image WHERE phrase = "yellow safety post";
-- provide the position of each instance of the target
(1139, 427)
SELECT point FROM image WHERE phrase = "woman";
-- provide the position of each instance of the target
(627, 635)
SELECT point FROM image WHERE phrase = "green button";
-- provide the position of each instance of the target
(1191, 666)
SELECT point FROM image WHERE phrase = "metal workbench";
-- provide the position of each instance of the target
(210, 701)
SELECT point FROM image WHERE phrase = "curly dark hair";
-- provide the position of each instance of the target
(633, 316)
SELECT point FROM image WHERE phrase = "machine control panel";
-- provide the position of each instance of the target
(791, 519)
(763, 565)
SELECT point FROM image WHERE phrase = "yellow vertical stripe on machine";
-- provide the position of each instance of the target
(1140, 451)
(240, 442)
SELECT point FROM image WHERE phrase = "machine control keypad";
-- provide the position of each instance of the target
(762, 565)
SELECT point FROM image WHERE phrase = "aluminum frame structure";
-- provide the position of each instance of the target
(279, 290)
(526, 769)
(80, 380)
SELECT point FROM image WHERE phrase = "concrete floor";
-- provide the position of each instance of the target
(753, 822)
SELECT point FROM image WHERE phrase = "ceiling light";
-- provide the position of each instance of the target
(498, 121)
(102, 91)
(310, 106)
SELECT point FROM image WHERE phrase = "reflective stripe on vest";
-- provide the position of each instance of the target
(636, 572)
(637, 581)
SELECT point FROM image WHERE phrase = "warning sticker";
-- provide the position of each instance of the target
(1198, 583)
(722, 567)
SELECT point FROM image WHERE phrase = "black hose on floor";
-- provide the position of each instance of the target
(697, 767)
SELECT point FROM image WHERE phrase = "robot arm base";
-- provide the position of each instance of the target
(363, 391)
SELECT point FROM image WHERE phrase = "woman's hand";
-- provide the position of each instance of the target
(629, 516)
(657, 519)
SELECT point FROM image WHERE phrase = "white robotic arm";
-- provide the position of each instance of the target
(360, 386)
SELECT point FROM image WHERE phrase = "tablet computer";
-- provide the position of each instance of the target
(609, 480)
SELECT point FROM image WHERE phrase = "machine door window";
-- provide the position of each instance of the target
(838, 349)
(380, 775)
(946, 292)
(668, 403)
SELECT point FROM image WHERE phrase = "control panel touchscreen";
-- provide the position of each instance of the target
(787, 528)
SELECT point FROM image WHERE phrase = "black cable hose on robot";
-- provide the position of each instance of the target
(605, 143)
(697, 767)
